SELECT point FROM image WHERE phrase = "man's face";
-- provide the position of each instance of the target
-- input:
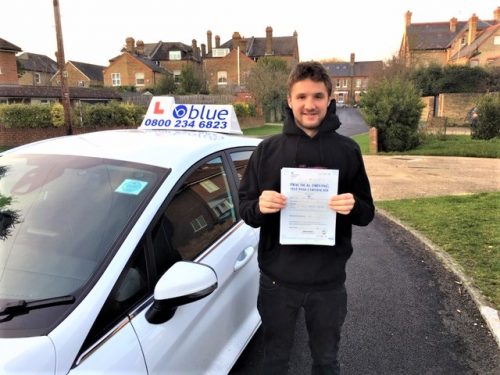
(309, 101)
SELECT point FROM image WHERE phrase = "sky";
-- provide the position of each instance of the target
(94, 31)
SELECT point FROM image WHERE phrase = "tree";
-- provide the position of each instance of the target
(461, 78)
(191, 80)
(487, 124)
(427, 79)
(165, 85)
(395, 67)
(393, 107)
(267, 82)
(8, 218)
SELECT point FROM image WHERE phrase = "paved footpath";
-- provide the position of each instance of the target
(396, 177)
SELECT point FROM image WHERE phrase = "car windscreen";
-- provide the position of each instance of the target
(60, 216)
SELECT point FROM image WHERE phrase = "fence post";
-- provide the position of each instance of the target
(373, 134)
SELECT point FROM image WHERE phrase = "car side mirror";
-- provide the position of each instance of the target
(183, 283)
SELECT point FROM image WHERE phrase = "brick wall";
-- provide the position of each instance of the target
(456, 106)
(229, 64)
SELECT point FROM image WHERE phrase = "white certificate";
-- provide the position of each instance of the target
(306, 218)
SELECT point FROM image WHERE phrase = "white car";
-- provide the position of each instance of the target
(123, 252)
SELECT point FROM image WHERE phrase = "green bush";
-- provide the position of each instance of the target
(393, 107)
(26, 116)
(487, 125)
(108, 115)
(57, 113)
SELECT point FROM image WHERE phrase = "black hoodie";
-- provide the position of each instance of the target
(305, 267)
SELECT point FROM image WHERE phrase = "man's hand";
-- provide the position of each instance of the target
(342, 203)
(271, 201)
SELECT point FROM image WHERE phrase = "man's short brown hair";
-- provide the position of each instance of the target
(309, 70)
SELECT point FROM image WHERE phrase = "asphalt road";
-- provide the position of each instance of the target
(407, 314)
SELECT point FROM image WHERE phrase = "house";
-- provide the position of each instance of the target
(173, 56)
(228, 65)
(142, 65)
(35, 69)
(8, 63)
(351, 79)
(81, 75)
(473, 42)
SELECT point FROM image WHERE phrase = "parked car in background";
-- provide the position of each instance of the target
(125, 253)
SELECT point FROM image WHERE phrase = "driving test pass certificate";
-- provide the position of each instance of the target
(306, 218)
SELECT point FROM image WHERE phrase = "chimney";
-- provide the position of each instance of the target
(243, 45)
(472, 29)
(269, 40)
(217, 41)
(453, 24)
(129, 44)
(209, 42)
(139, 47)
(203, 50)
(408, 18)
(194, 46)
(496, 15)
(352, 58)
(236, 39)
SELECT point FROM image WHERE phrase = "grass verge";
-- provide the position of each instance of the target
(466, 227)
(263, 131)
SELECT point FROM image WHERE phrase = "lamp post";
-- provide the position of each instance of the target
(62, 70)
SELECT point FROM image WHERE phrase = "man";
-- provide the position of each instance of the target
(304, 276)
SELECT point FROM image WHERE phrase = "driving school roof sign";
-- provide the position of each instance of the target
(163, 113)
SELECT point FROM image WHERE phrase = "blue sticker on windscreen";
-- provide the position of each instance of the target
(132, 187)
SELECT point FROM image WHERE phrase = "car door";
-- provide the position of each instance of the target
(200, 223)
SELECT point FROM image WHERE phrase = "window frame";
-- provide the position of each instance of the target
(175, 55)
(138, 78)
(222, 77)
(116, 79)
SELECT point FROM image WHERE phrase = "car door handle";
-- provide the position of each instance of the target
(244, 258)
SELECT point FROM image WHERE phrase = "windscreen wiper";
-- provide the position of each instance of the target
(21, 306)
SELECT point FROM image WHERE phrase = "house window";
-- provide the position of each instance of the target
(177, 76)
(116, 79)
(222, 78)
(337, 83)
(38, 78)
(220, 52)
(139, 79)
(81, 83)
(174, 55)
(473, 63)
(344, 83)
(1, 70)
(358, 82)
(496, 41)
(462, 41)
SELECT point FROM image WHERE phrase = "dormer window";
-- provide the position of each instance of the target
(174, 55)
(38, 78)
(220, 52)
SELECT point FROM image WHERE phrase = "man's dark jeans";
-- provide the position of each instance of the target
(324, 311)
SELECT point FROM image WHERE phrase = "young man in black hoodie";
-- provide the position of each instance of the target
(304, 276)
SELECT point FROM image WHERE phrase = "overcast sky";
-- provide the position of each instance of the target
(94, 31)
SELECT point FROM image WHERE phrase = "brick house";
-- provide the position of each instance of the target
(130, 69)
(228, 65)
(351, 79)
(142, 64)
(81, 75)
(473, 42)
(37, 70)
(8, 63)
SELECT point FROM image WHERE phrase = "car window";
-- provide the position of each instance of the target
(201, 210)
(240, 160)
(131, 288)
